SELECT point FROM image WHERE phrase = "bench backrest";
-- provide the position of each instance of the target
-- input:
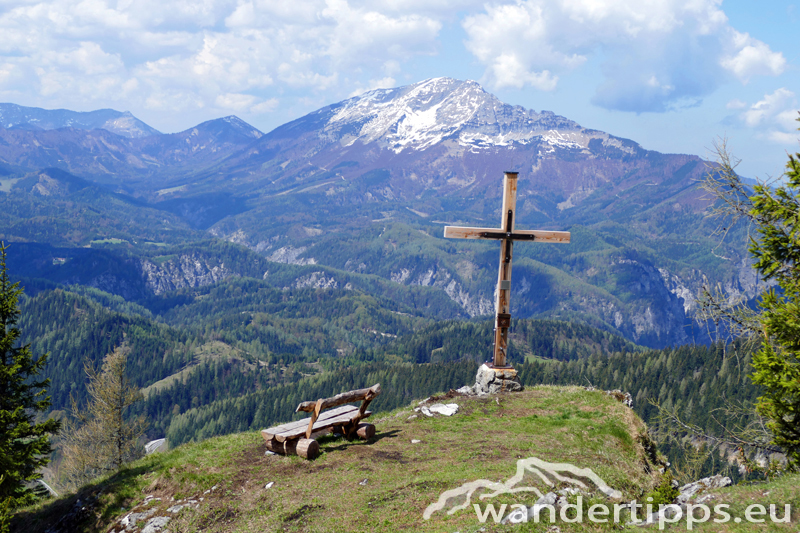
(362, 395)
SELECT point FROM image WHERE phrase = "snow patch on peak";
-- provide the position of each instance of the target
(242, 126)
(416, 116)
(424, 114)
(556, 138)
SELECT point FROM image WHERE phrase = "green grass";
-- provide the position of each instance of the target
(781, 491)
(210, 351)
(483, 441)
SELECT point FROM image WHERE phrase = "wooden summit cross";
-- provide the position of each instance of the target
(507, 234)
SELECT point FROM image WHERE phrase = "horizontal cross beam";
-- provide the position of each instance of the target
(458, 232)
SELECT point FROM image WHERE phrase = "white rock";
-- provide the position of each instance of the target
(130, 520)
(425, 411)
(269, 485)
(156, 524)
(415, 441)
(690, 490)
(518, 516)
(490, 381)
(179, 507)
(444, 409)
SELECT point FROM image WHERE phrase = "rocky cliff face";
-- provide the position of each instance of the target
(183, 271)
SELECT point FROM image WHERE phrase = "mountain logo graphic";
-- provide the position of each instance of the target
(547, 472)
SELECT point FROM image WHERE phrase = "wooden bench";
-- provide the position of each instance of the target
(298, 438)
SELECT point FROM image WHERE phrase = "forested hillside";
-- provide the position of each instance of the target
(242, 354)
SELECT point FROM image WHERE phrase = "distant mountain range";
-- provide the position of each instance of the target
(364, 187)
(124, 124)
(112, 147)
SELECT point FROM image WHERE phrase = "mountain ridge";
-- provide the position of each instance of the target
(123, 123)
(350, 187)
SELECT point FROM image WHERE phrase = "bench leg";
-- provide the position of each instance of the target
(305, 448)
(365, 431)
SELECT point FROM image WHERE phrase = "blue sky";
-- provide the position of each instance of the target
(672, 75)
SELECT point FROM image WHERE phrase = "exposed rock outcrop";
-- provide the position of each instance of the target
(493, 380)
(291, 256)
(316, 280)
(183, 271)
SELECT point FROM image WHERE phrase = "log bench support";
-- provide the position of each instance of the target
(297, 438)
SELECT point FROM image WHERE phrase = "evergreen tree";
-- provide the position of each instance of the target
(24, 444)
(776, 366)
(774, 212)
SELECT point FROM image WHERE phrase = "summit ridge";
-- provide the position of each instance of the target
(424, 114)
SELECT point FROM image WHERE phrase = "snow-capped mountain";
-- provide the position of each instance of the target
(441, 138)
(448, 138)
(124, 124)
(424, 114)
(353, 184)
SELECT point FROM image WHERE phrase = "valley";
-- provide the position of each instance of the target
(247, 271)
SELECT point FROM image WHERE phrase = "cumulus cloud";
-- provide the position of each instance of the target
(246, 55)
(657, 54)
(752, 57)
(775, 115)
(231, 55)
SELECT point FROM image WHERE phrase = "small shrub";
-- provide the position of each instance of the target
(666, 491)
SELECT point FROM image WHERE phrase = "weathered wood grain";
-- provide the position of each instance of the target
(458, 232)
(302, 424)
(306, 448)
(297, 429)
(365, 431)
(507, 235)
(339, 399)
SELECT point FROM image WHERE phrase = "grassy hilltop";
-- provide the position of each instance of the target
(384, 484)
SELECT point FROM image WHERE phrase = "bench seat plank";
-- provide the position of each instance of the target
(327, 419)
(304, 422)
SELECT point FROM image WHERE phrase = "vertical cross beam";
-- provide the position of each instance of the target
(503, 318)
(507, 235)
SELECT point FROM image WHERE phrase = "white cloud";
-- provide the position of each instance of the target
(735, 104)
(244, 103)
(752, 58)
(658, 54)
(770, 108)
(235, 102)
(267, 106)
(199, 54)
(382, 83)
(775, 116)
